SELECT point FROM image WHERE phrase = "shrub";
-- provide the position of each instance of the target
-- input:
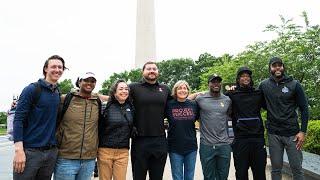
(312, 143)
(3, 118)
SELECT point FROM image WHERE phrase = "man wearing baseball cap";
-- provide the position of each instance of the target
(215, 111)
(283, 96)
(77, 131)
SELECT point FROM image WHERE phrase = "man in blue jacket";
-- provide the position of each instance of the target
(34, 124)
(283, 95)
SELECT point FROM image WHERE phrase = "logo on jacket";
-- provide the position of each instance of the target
(285, 89)
(221, 104)
(128, 110)
(160, 89)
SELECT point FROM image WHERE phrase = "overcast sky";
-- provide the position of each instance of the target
(99, 35)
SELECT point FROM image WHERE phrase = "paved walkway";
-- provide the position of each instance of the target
(198, 172)
(6, 155)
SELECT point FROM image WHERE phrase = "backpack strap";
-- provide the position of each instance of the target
(99, 106)
(66, 104)
(36, 94)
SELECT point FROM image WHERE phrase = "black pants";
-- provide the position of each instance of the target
(148, 154)
(250, 152)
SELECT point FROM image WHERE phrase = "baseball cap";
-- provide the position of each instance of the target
(244, 69)
(87, 75)
(275, 60)
(214, 76)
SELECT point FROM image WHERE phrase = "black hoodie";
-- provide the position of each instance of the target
(246, 105)
(282, 100)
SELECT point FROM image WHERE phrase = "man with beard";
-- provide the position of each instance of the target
(249, 145)
(283, 96)
(149, 148)
(215, 111)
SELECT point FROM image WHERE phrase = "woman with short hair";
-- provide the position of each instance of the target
(182, 114)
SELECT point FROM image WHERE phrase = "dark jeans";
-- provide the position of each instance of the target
(39, 164)
(277, 144)
(250, 152)
(148, 154)
(215, 161)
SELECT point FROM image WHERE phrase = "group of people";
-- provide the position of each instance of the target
(63, 135)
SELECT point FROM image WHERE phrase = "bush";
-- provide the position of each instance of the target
(312, 143)
(3, 118)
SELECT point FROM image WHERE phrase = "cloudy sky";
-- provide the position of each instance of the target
(99, 35)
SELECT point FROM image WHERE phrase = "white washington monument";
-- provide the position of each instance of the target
(145, 33)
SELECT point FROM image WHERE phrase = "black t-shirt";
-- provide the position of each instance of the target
(149, 101)
(182, 134)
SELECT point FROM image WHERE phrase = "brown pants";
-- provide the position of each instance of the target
(112, 163)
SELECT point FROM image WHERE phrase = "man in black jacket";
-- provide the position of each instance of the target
(249, 144)
(283, 96)
(149, 148)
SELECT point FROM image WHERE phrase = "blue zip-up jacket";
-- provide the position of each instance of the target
(36, 126)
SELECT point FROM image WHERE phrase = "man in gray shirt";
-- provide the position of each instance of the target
(215, 111)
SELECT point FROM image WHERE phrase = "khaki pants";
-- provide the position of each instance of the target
(112, 163)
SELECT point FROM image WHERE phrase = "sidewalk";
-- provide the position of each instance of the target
(198, 172)
(6, 155)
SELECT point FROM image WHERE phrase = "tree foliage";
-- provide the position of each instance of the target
(129, 76)
(3, 118)
(65, 86)
(177, 69)
(298, 46)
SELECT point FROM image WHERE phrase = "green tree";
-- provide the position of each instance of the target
(131, 76)
(66, 86)
(226, 68)
(298, 46)
(176, 69)
(3, 118)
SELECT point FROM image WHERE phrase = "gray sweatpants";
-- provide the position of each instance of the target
(277, 144)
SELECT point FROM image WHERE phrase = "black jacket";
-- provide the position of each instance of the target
(149, 101)
(115, 128)
(246, 117)
(282, 99)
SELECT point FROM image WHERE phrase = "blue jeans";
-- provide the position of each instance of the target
(74, 169)
(182, 166)
(215, 161)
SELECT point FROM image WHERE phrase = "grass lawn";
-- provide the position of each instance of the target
(3, 131)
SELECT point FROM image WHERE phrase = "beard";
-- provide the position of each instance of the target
(277, 74)
(151, 78)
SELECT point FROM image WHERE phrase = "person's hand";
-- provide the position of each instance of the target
(103, 98)
(19, 159)
(194, 95)
(231, 88)
(300, 137)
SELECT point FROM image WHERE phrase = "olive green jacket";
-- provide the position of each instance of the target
(77, 131)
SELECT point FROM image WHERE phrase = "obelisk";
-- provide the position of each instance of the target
(145, 33)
